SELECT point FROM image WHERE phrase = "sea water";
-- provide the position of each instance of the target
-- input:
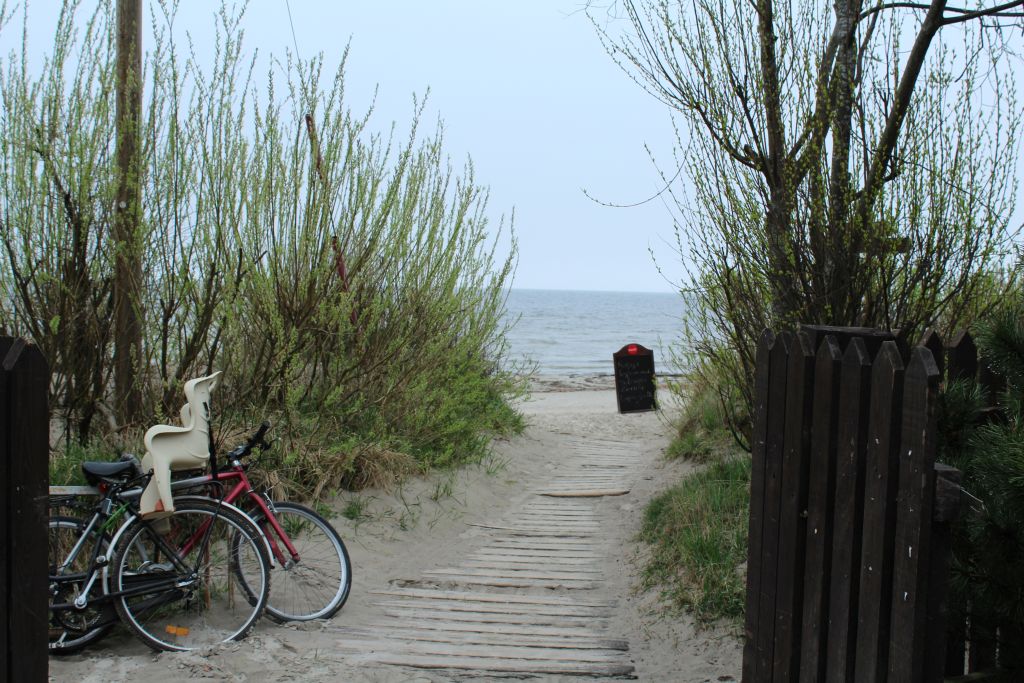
(574, 333)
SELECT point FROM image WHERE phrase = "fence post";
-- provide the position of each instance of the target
(881, 473)
(854, 394)
(793, 503)
(774, 444)
(24, 440)
(963, 358)
(821, 489)
(933, 342)
(914, 520)
(758, 444)
(945, 511)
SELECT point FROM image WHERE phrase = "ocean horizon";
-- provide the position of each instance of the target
(575, 332)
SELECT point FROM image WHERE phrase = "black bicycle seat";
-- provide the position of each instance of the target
(95, 472)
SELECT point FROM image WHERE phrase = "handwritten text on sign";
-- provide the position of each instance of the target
(634, 378)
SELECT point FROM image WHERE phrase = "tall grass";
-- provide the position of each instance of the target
(249, 198)
(698, 536)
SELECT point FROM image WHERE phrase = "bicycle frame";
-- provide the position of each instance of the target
(98, 568)
(243, 489)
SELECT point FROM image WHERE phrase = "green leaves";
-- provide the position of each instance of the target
(244, 192)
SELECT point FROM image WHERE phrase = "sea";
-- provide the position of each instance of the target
(575, 333)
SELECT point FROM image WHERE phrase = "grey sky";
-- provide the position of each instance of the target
(523, 87)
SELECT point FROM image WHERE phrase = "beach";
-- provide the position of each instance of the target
(443, 585)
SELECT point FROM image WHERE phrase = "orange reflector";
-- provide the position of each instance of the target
(177, 630)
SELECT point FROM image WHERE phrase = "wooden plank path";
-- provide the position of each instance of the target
(528, 600)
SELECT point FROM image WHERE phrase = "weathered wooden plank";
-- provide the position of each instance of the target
(591, 493)
(534, 559)
(510, 598)
(820, 493)
(557, 531)
(525, 654)
(513, 666)
(774, 445)
(25, 434)
(854, 394)
(549, 523)
(560, 505)
(933, 342)
(519, 541)
(512, 574)
(759, 440)
(502, 582)
(524, 608)
(474, 638)
(587, 568)
(793, 503)
(945, 508)
(451, 616)
(511, 630)
(880, 481)
(914, 520)
(962, 358)
(557, 510)
(7, 483)
(74, 491)
(529, 568)
(537, 547)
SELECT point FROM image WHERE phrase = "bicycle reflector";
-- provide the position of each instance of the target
(177, 630)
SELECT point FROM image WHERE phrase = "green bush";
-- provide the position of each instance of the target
(350, 284)
(988, 548)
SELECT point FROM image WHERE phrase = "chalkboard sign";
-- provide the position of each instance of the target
(634, 378)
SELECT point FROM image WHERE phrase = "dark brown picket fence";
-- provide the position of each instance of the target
(24, 441)
(848, 559)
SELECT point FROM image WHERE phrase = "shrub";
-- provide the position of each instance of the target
(348, 283)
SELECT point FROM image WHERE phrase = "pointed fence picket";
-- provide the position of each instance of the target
(848, 557)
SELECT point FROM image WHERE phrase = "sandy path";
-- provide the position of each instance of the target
(522, 567)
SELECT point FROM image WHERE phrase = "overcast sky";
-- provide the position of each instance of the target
(524, 88)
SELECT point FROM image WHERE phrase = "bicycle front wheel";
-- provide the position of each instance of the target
(73, 629)
(317, 585)
(197, 578)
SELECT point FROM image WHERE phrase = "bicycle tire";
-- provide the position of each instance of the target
(72, 630)
(189, 601)
(317, 586)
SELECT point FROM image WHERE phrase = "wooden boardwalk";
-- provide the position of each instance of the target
(531, 597)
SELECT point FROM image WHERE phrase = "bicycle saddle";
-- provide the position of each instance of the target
(171, 448)
(95, 472)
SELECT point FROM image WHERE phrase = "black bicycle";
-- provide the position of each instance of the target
(197, 577)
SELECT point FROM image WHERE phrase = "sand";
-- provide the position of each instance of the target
(524, 566)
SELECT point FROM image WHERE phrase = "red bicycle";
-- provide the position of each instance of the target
(314, 572)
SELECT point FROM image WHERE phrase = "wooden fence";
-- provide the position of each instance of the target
(848, 557)
(24, 441)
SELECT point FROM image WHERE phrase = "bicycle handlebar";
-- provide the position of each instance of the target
(256, 440)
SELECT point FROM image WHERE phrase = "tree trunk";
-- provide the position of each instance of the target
(126, 233)
(842, 228)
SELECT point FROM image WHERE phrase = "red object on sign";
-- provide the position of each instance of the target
(632, 349)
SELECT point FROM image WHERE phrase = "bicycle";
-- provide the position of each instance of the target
(315, 571)
(195, 578)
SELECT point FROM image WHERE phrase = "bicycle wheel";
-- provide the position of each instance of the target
(73, 629)
(180, 577)
(316, 586)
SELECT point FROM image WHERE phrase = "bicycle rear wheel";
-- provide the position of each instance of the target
(198, 578)
(316, 586)
(73, 629)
